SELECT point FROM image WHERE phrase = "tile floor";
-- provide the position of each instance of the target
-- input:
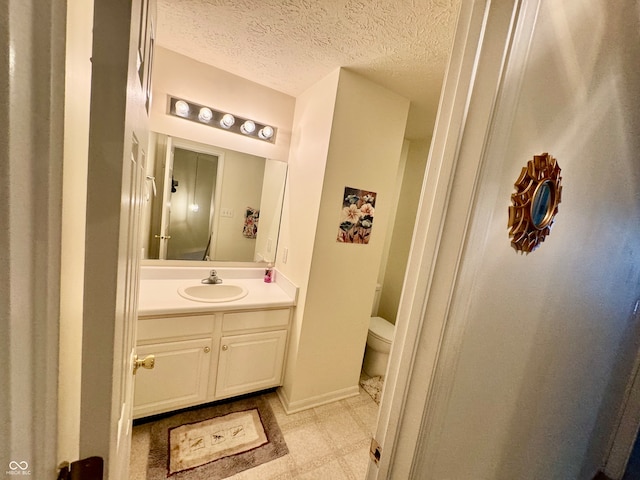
(331, 441)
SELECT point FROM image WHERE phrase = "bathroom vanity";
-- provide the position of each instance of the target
(205, 351)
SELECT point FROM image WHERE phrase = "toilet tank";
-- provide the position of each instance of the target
(376, 301)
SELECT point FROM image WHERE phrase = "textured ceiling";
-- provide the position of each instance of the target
(289, 45)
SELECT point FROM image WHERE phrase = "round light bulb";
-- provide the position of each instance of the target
(248, 127)
(182, 108)
(266, 132)
(227, 120)
(205, 115)
(194, 207)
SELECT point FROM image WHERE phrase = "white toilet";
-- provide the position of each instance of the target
(379, 338)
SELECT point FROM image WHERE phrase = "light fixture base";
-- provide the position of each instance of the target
(204, 115)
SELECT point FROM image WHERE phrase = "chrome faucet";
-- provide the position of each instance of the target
(213, 278)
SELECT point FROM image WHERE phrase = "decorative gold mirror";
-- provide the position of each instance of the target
(535, 203)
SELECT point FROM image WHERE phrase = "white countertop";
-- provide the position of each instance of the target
(159, 290)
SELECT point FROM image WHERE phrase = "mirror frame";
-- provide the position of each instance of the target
(542, 171)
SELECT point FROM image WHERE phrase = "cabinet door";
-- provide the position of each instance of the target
(178, 378)
(250, 362)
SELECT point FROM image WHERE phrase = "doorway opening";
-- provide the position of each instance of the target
(191, 205)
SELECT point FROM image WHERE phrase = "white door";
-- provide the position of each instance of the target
(432, 265)
(118, 138)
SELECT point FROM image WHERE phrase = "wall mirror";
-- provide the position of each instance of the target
(211, 203)
(534, 203)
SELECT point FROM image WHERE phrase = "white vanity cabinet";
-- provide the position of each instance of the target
(251, 361)
(202, 358)
(182, 347)
(178, 379)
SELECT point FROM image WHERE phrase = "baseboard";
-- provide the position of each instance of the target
(307, 403)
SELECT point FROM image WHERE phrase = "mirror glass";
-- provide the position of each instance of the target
(541, 204)
(212, 203)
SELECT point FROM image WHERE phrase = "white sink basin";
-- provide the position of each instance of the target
(213, 293)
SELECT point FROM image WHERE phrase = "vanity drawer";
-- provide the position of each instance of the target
(170, 327)
(257, 319)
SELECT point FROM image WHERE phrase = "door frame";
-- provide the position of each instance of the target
(628, 426)
(167, 186)
(214, 220)
(32, 81)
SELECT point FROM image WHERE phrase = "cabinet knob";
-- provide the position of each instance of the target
(207, 349)
(225, 348)
(147, 362)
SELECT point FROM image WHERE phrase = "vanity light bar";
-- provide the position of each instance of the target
(221, 120)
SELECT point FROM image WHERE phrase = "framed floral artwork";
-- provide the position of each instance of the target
(356, 217)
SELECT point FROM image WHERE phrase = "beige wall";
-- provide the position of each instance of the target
(76, 145)
(307, 161)
(386, 251)
(275, 174)
(402, 232)
(364, 149)
(242, 179)
(180, 76)
(549, 337)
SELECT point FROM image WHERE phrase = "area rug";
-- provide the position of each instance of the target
(214, 442)
(373, 386)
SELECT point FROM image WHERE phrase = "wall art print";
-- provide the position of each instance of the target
(356, 218)
(250, 227)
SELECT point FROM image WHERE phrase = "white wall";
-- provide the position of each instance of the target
(180, 76)
(367, 130)
(548, 337)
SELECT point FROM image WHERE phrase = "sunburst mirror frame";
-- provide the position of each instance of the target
(535, 203)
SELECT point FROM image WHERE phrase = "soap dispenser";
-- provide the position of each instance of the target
(268, 273)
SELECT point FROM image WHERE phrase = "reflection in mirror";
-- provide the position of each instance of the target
(213, 203)
(542, 204)
(190, 207)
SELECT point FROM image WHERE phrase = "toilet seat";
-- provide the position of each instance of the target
(381, 328)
